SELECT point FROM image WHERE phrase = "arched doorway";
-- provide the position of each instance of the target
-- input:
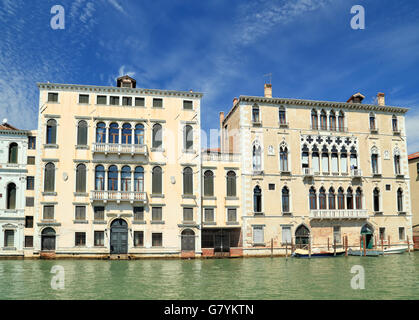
(119, 237)
(302, 236)
(188, 240)
(48, 239)
(368, 231)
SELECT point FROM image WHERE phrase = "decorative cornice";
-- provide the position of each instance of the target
(105, 89)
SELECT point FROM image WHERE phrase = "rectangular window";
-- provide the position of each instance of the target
(231, 215)
(52, 97)
(139, 102)
(272, 186)
(157, 239)
(388, 187)
(30, 201)
(30, 183)
(83, 98)
(99, 213)
(80, 213)
(402, 235)
(99, 240)
(9, 238)
(28, 241)
(157, 103)
(258, 235)
(188, 214)
(31, 143)
(383, 233)
(127, 101)
(138, 213)
(31, 160)
(286, 234)
(209, 215)
(29, 222)
(138, 239)
(80, 238)
(101, 100)
(114, 101)
(48, 213)
(156, 214)
(337, 234)
(187, 105)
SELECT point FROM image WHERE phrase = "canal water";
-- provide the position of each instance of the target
(388, 277)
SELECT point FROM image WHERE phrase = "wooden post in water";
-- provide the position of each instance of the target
(360, 245)
(346, 245)
(286, 249)
(389, 242)
(382, 245)
(309, 247)
(375, 242)
(272, 247)
(328, 244)
(408, 244)
(292, 246)
(365, 247)
(334, 246)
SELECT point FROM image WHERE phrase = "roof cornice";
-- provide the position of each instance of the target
(330, 104)
(122, 90)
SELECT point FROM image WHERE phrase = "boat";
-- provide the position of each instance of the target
(368, 253)
(317, 253)
(395, 250)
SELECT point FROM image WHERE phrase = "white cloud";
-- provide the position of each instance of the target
(117, 6)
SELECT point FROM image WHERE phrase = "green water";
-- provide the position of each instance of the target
(389, 277)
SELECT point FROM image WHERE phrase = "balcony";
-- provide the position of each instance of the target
(356, 173)
(308, 172)
(116, 148)
(338, 214)
(328, 128)
(118, 196)
(226, 157)
(373, 129)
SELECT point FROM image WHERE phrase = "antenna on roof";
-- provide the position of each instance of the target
(4, 121)
(269, 76)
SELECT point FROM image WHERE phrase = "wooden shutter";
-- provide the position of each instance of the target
(157, 180)
(258, 234)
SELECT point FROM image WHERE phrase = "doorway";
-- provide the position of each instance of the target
(119, 237)
(48, 239)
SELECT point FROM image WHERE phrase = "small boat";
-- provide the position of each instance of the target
(368, 253)
(316, 253)
(395, 250)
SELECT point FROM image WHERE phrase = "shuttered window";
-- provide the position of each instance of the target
(49, 177)
(187, 181)
(99, 213)
(138, 239)
(31, 160)
(188, 138)
(99, 240)
(208, 184)
(258, 235)
(231, 184)
(82, 133)
(209, 215)
(231, 215)
(157, 239)
(138, 213)
(157, 180)
(114, 101)
(337, 234)
(29, 222)
(156, 214)
(286, 234)
(31, 143)
(30, 183)
(139, 102)
(13, 153)
(188, 214)
(187, 105)
(9, 238)
(11, 196)
(127, 101)
(30, 201)
(83, 98)
(81, 178)
(80, 239)
(48, 213)
(157, 103)
(51, 131)
(80, 213)
(101, 100)
(157, 136)
(28, 241)
(52, 97)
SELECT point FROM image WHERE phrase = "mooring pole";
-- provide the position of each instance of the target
(286, 249)
(389, 242)
(272, 247)
(382, 244)
(327, 244)
(365, 246)
(334, 246)
(292, 246)
(346, 246)
(360, 245)
(309, 247)
(408, 244)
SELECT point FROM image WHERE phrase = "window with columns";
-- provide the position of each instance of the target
(396, 157)
(113, 178)
(400, 200)
(332, 120)
(113, 133)
(101, 132)
(126, 180)
(126, 134)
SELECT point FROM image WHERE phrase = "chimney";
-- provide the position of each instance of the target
(268, 90)
(356, 98)
(381, 100)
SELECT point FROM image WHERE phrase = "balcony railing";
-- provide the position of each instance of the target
(228, 157)
(119, 148)
(308, 172)
(132, 196)
(339, 214)
(356, 173)
(328, 128)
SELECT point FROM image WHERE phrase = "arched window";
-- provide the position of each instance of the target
(11, 196)
(82, 133)
(208, 183)
(99, 178)
(49, 177)
(323, 120)
(157, 136)
(113, 133)
(112, 178)
(285, 200)
(302, 236)
(343, 160)
(349, 199)
(51, 131)
(305, 157)
(157, 180)
(376, 200)
(313, 199)
(374, 160)
(257, 199)
(13, 152)
(397, 168)
(332, 120)
(332, 199)
(354, 159)
(341, 199)
(231, 184)
(81, 178)
(325, 161)
(282, 116)
(101, 133)
(188, 137)
(400, 200)
(394, 123)
(283, 159)
(126, 134)
(139, 134)
(372, 121)
(139, 179)
(187, 181)
(126, 178)
(358, 198)
(255, 113)
(257, 158)
(341, 121)
(335, 162)
(315, 160)
(322, 199)
(314, 120)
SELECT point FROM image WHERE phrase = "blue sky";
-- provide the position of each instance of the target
(222, 48)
